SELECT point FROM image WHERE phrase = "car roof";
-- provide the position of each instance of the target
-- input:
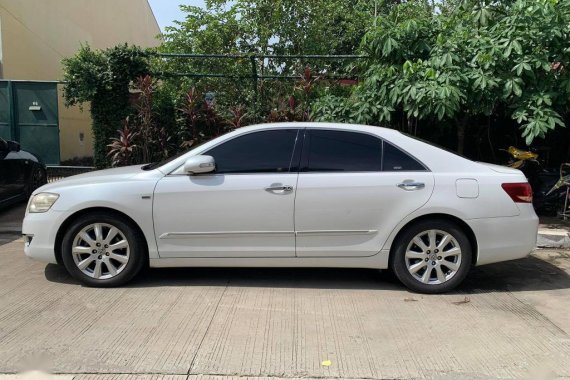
(382, 131)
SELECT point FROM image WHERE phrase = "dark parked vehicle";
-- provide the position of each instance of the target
(21, 173)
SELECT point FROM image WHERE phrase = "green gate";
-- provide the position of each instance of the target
(29, 115)
(6, 125)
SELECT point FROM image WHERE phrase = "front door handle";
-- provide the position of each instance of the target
(411, 185)
(279, 188)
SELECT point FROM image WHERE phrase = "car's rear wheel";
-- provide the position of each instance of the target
(103, 250)
(432, 256)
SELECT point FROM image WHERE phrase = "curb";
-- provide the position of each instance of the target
(553, 238)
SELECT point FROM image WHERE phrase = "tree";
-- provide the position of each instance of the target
(261, 27)
(300, 26)
(458, 60)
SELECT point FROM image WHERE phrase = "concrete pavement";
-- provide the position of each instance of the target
(509, 320)
(553, 233)
(11, 222)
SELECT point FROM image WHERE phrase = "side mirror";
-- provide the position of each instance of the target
(199, 164)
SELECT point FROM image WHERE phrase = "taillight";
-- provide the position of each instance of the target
(519, 192)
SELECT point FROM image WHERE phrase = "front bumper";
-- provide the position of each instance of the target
(40, 230)
(507, 238)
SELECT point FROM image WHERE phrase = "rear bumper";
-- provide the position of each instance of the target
(39, 232)
(508, 238)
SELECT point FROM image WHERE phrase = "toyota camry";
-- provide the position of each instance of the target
(289, 195)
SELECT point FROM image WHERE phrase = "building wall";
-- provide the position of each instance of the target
(36, 35)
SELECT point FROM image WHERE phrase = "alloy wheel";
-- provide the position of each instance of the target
(100, 251)
(433, 257)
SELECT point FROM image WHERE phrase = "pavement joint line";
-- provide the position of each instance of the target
(207, 329)
(292, 377)
(73, 375)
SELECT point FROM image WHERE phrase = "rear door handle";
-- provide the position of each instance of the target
(279, 188)
(411, 185)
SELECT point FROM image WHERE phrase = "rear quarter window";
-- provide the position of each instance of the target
(394, 160)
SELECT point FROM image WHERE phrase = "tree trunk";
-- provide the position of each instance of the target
(461, 127)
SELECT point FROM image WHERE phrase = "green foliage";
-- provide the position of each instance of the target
(298, 26)
(200, 120)
(144, 139)
(332, 108)
(102, 77)
(261, 27)
(446, 65)
(164, 109)
(359, 109)
(458, 60)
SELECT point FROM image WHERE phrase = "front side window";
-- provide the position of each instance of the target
(257, 152)
(343, 151)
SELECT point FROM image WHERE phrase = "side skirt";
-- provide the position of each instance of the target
(379, 261)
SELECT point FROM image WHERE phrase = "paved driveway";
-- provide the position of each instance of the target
(508, 320)
(11, 222)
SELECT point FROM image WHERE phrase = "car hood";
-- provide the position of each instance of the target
(99, 176)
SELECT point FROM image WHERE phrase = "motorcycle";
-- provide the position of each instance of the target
(563, 183)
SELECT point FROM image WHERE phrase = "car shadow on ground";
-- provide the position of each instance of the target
(526, 274)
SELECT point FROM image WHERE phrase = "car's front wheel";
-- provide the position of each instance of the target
(102, 250)
(432, 256)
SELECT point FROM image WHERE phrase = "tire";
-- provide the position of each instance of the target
(37, 178)
(116, 260)
(443, 272)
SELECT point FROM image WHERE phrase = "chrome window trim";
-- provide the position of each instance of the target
(184, 235)
(383, 141)
(298, 129)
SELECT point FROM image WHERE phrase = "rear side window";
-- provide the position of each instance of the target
(257, 152)
(343, 151)
(397, 160)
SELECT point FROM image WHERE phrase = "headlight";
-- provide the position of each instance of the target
(42, 202)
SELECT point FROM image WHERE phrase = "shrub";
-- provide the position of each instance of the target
(103, 77)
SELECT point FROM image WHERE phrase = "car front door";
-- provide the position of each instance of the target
(353, 189)
(242, 209)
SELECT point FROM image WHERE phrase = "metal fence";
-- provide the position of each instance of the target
(258, 65)
(55, 173)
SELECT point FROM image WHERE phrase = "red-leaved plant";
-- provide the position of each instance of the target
(122, 148)
(237, 116)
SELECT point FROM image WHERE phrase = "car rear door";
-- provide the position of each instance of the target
(243, 209)
(353, 189)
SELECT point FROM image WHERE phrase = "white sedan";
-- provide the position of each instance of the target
(289, 195)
